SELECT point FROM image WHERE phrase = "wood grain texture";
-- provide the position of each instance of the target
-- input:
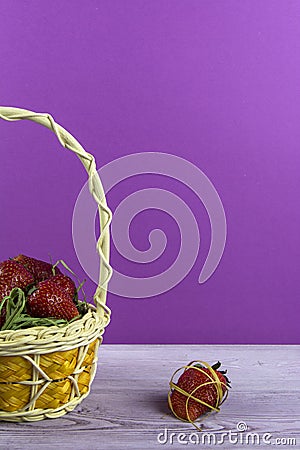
(127, 407)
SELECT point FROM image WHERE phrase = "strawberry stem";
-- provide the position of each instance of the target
(216, 366)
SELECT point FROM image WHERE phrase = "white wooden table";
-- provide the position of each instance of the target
(127, 408)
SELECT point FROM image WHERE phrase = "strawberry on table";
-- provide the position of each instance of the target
(201, 381)
(41, 270)
(50, 300)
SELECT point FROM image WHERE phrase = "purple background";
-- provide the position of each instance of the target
(214, 82)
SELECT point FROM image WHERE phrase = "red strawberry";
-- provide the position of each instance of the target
(13, 275)
(49, 300)
(41, 270)
(190, 380)
(65, 283)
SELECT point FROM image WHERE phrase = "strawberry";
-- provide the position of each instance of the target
(41, 270)
(49, 300)
(13, 275)
(191, 379)
(65, 283)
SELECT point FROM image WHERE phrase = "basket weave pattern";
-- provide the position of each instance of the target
(46, 372)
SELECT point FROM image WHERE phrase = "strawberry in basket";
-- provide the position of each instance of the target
(12, 275)
(207, 385)
(34, 292)
(52, 300)
(40, 270)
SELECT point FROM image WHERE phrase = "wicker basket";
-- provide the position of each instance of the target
(46, 372)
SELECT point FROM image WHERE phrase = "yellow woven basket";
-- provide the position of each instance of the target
(46, 372)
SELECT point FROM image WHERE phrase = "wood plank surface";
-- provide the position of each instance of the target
(127, 407)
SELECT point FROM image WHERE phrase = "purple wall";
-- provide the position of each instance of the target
(216, 83)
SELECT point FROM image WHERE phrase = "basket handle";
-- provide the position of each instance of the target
(95, 187)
